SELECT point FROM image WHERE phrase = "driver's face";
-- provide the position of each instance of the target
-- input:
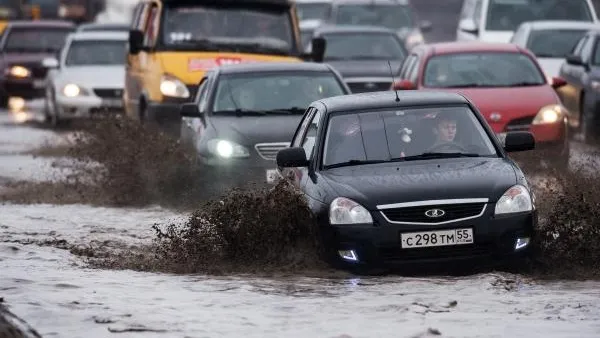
(446, 131)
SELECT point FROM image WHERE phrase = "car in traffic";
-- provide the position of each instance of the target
(23, 46)
(551, 41)
(361, 54)
(506, 83)
(497, 20)
(397, 15)
(95, 27)
(243, 114)
(581, 94)
(313, 9)
(189, 38)
(410, 178)
(88, 79)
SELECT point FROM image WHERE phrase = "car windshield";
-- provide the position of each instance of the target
(363, 46)
(405, 135)
(389, 16)
(484, 69)
(507, 15)
(274, 92)
(313, 11)
(97, 52)
(229, 29)
(35, 39)
(554, 43)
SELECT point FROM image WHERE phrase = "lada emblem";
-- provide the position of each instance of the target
(495, 117)
(435, 213)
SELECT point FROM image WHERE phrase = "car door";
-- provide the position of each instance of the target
(192, 128)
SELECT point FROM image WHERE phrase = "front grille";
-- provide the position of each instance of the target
(109, 93)
(417, 214)
(269, 151)
(450, 251)
(363, 87)
(522, 124)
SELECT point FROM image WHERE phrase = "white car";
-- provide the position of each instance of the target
(89, 77)
(313, 9)
(497, 20)
(551, 41)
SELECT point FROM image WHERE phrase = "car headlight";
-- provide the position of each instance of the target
(172, 86)
(19, 71)
(227, 149)
(516, 199)
(73, 90)
(550, 114)
(345, 211)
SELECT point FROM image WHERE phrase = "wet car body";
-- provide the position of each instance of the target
(95, 27)
(256, 134)
(518, 107)
(23, 74)
(397, 195)
(363, 73)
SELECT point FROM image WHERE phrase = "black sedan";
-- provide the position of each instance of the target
(361, 55)
(244, 114)
(417, 179)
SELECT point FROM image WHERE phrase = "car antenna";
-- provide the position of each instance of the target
(393, 81)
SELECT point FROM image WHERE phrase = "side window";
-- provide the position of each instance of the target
(406, 66)
(201, 90)
(151, 27)
(135, 18)
(579, 46)
(586, 51)
(413, 74)
(308, 141)
(517, 38)
(296, 142)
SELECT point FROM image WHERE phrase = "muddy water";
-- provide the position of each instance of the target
(58, 295)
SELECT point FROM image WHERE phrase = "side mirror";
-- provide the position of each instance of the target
(426, 26)
(292, 157)
(136, 41)
(574, 60)
(404, 85)
(318, 49)
(519, 141)
(50, 63)
(468, 26)
(558, 82)
(189, 110)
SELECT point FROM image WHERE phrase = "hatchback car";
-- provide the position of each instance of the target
(506, 83)
(414, 178)
(244, 113)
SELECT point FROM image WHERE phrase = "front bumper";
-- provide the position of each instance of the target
(87, 106)
(226, 174)
(26, 88)
(494, 241)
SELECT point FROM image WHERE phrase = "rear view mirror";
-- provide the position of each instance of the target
(468, 26)
(426, 25)
(403, 85)
(136, 41)
(318, 46)
(189, 110)
(50, 63)
(558, 82)
(292, 157)
(519, 141)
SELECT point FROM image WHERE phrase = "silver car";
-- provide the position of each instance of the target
(88, 78)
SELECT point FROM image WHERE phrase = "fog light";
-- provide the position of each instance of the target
(16, 104)
(348, 255)
(521, 243)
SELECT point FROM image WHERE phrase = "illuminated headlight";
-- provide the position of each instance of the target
(595, 85)
(514, 200)
(346, 211)
(173, 87)
(415, 38)
(19, 71)
(550, 114)
(73, 90)
(227, 149)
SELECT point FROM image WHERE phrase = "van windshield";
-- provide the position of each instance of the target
(237, 29)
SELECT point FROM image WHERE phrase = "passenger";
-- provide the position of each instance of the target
(444, 130)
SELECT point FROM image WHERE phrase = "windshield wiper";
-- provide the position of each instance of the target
(469, 85)
(240, 112)
(352, 162)
(427, 156)
(205, 44)
(524, 84)
(292, 110)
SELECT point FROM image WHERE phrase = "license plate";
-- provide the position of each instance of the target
(436, 238)
(272, 175)
(112, 103)
(38, 83)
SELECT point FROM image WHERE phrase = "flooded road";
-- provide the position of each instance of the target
(56, 293)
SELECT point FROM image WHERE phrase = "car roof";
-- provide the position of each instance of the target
(374, 2)
(387, 99)
(272, 67)
(469, 47)
(100, 35)
(561, 24)
(41, 23)
(352, 29)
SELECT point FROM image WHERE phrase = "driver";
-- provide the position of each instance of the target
(445, 129)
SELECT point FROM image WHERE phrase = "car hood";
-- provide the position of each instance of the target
(372, 185)
(551, 66)
(496, 36)
(366, 68)
(94, 76)
(250, 130)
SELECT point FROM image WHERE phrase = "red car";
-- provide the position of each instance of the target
(504, 81)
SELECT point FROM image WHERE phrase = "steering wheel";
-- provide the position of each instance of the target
(447, 145)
